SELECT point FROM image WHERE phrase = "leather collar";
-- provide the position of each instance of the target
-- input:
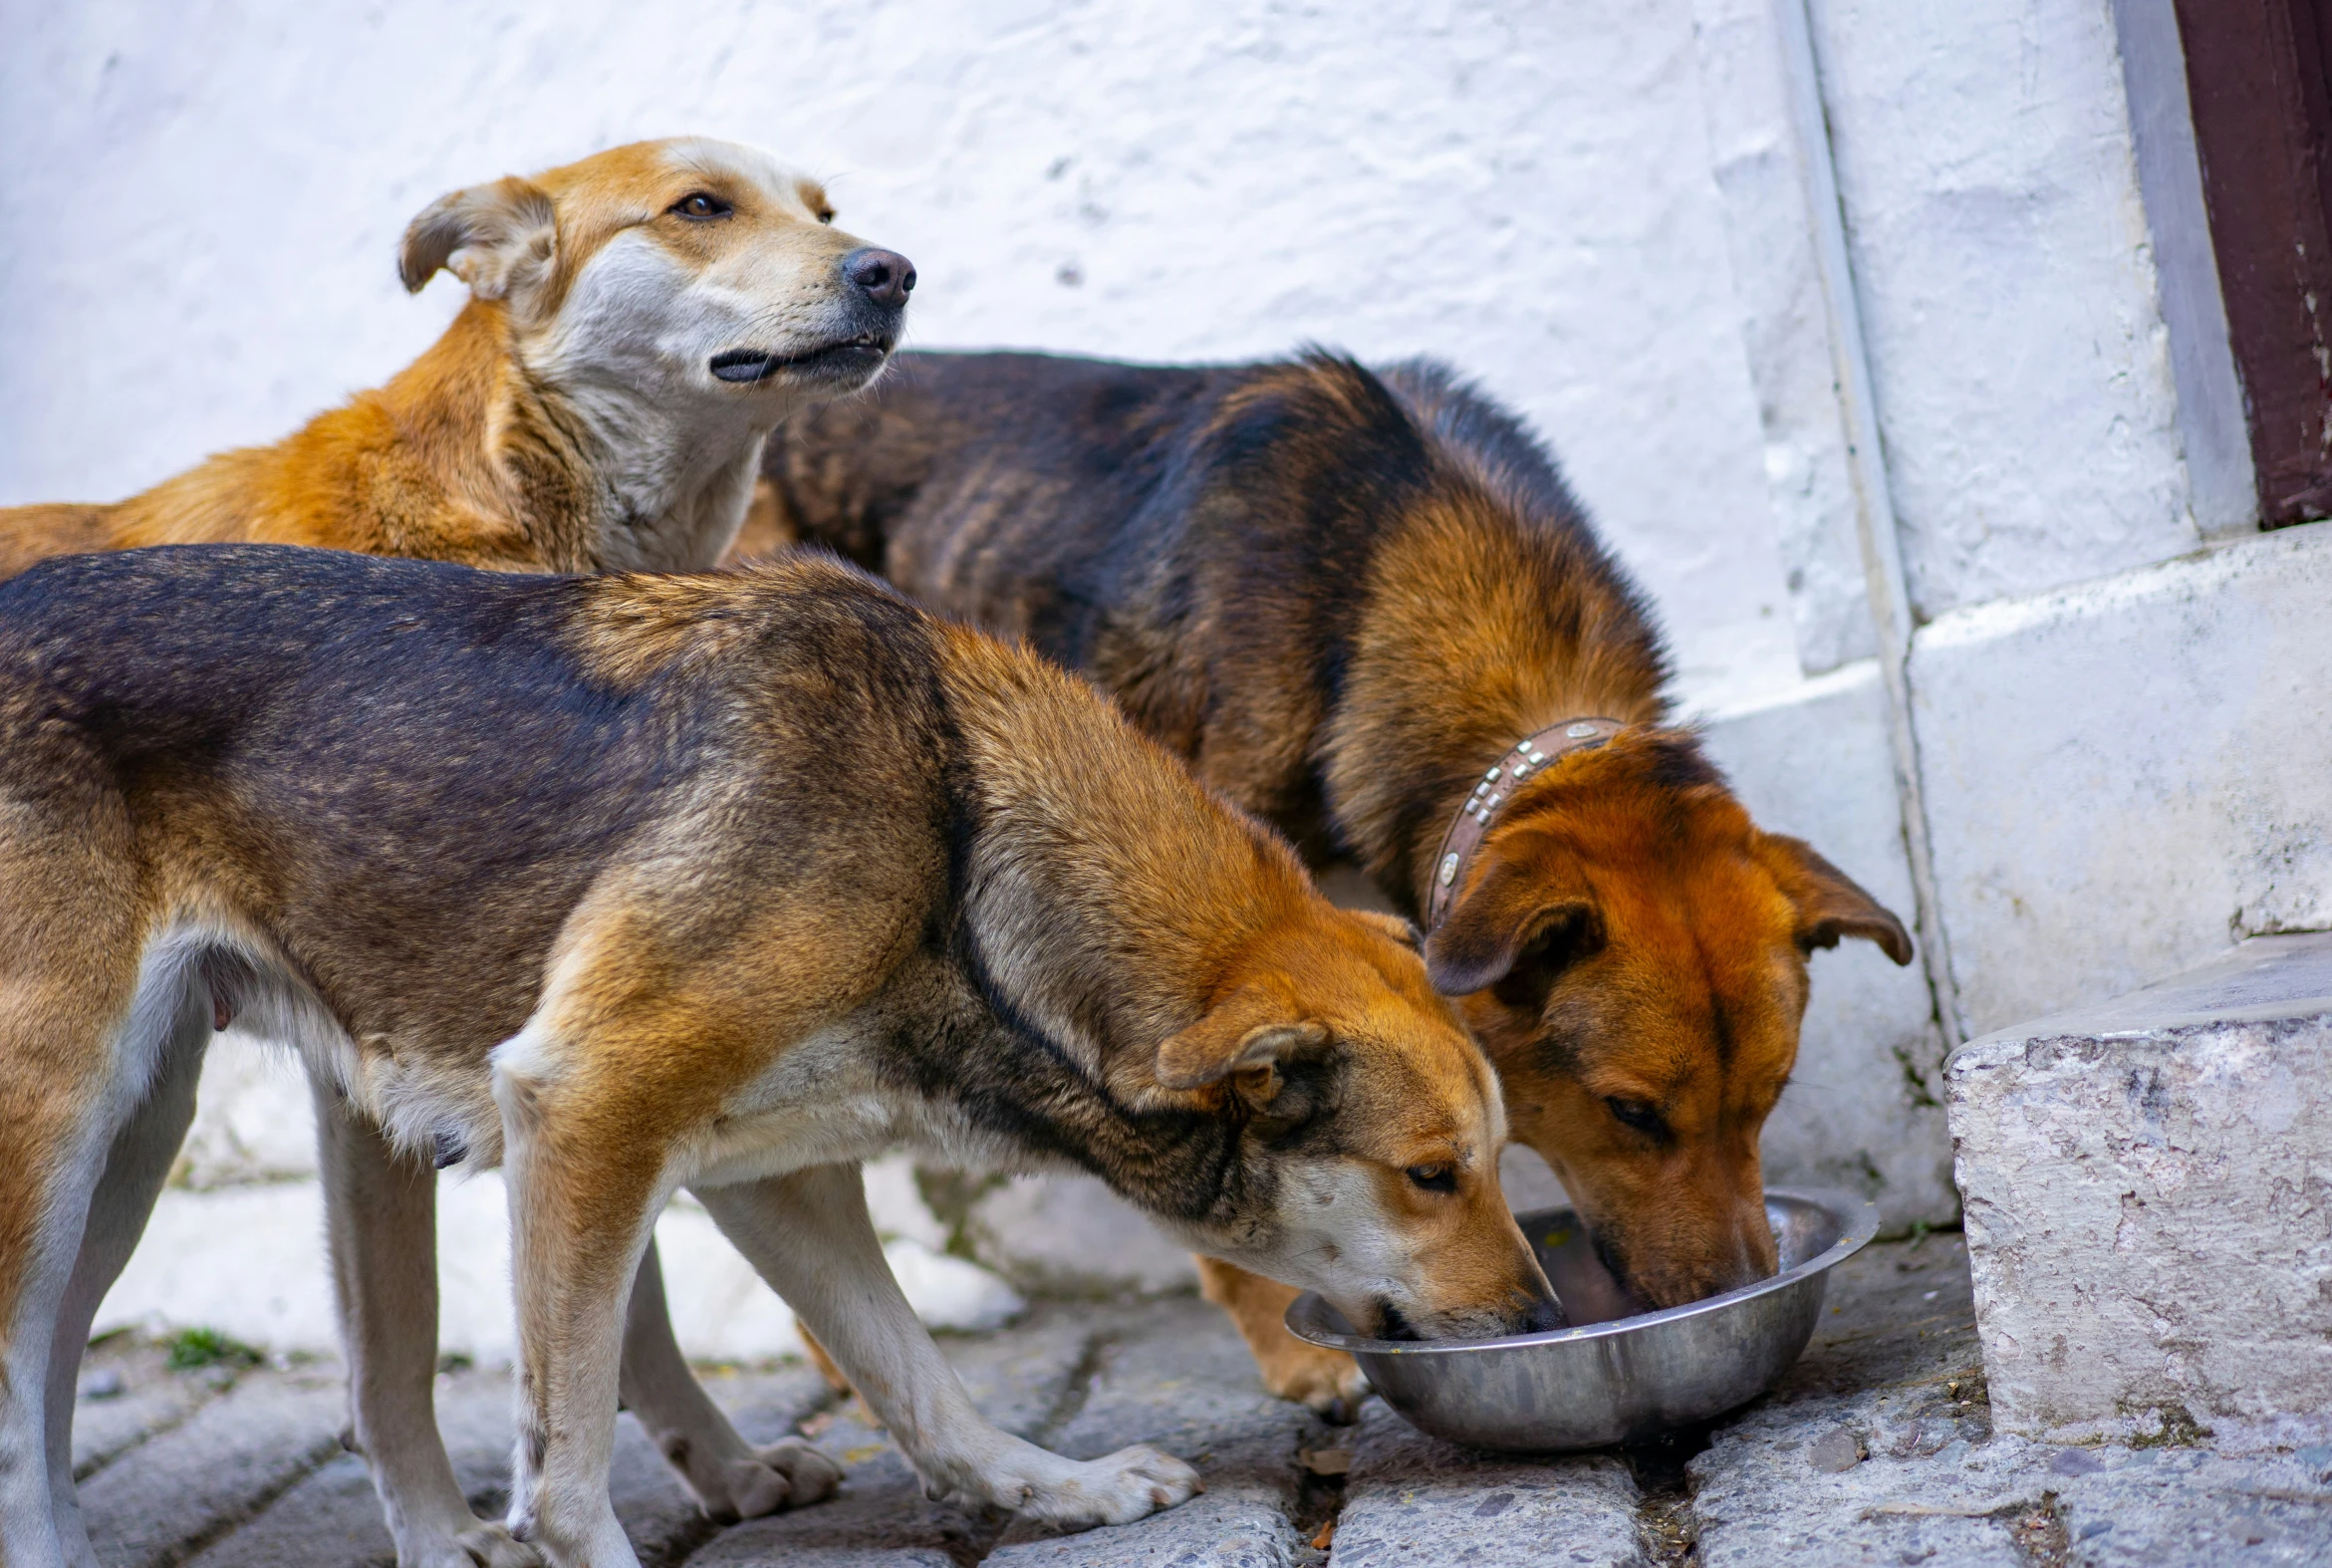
(1527, 758)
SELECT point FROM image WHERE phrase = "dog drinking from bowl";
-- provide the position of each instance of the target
(727, 880)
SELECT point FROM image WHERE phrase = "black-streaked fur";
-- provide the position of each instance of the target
(1101, 510)
(431, 738)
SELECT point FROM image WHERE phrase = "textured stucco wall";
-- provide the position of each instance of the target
(2149, 1187)
(2127, 776)
(217, 191)
(1590, 204)
(2005, 276)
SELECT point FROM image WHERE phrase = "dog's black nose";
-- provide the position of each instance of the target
(886, 276)
(1544, 1316)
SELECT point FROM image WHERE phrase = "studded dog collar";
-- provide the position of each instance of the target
(1533, 754)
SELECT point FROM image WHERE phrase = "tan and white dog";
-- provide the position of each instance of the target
(728, 881)
(638, 322)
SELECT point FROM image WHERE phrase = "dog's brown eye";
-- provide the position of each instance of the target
(1434, 1179)
(1643, 1118)
(702, 204)
(825, 218)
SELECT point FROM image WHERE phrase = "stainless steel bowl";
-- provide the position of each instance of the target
(1609, 1379)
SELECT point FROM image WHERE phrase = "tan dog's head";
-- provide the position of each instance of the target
(688, 270)
(1632, 951)
(1369, 1130)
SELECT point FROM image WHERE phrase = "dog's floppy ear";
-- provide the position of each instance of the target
(1512, 936)
(1829, 904)
(1245, 1033)
(499, 240)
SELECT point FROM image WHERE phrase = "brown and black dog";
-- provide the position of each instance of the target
(638, 322)
(1349, 598)
(731, 881)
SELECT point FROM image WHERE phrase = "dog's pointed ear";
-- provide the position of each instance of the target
(500, 239)
(1829, 903)
(1514, 935)
(1243, 1034)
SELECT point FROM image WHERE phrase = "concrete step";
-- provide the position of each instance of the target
(2149, 1205)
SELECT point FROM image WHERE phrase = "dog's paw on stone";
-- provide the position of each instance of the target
(1330, 1382)
(1128, 1485)
(490, 1545)
(785, 1475)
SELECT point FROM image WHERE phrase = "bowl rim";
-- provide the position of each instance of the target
(1859, 1222)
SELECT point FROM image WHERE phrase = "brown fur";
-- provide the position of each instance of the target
(837, 874)
(478, 452)
(534, 435)
(1343, 596)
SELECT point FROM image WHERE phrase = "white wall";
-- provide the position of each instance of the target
(2006, 281)
(1595, 205)
(199, 204)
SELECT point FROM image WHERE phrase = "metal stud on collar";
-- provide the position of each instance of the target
(1523, 760)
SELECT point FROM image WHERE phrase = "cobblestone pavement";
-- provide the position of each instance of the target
(1877, 1449)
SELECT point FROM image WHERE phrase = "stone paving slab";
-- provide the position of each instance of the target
(1174, 1375)
(880, 1518)
(127, 1397)
(334, 1515)
(1411, 1499)
(1877, 1448)
(168, 1495)
(2137, 1507)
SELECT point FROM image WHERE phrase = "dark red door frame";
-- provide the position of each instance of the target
(2262, 109)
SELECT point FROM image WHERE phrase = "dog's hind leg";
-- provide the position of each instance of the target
(83, 1025)
(809, 1236)
(732, 1478)
(136, 1165)
(381, 1211)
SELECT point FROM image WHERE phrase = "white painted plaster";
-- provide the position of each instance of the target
(2007, 292)
(1584, 202)
(2213, 436)
(1864, 1108)
(200, 203)
(1761, 162)
(248, 1261)
(253, 1119)
(2126, 776)
(1070, 1236)
(2147, 1183)
(237, 1241)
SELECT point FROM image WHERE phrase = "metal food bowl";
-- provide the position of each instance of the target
(1610, 1378)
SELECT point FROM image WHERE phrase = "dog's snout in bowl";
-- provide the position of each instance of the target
(1616, 1372)
(1531, 1308)
(1543, 1316)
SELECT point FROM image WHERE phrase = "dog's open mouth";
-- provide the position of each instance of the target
(745, 366)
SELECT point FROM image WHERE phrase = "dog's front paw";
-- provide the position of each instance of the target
(786, 1474)
(1329, 1381)
(488, 1544)
(1128, 1485)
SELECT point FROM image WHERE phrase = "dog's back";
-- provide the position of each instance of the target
(1206, 543)
(469, 749)
(1358, 602)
